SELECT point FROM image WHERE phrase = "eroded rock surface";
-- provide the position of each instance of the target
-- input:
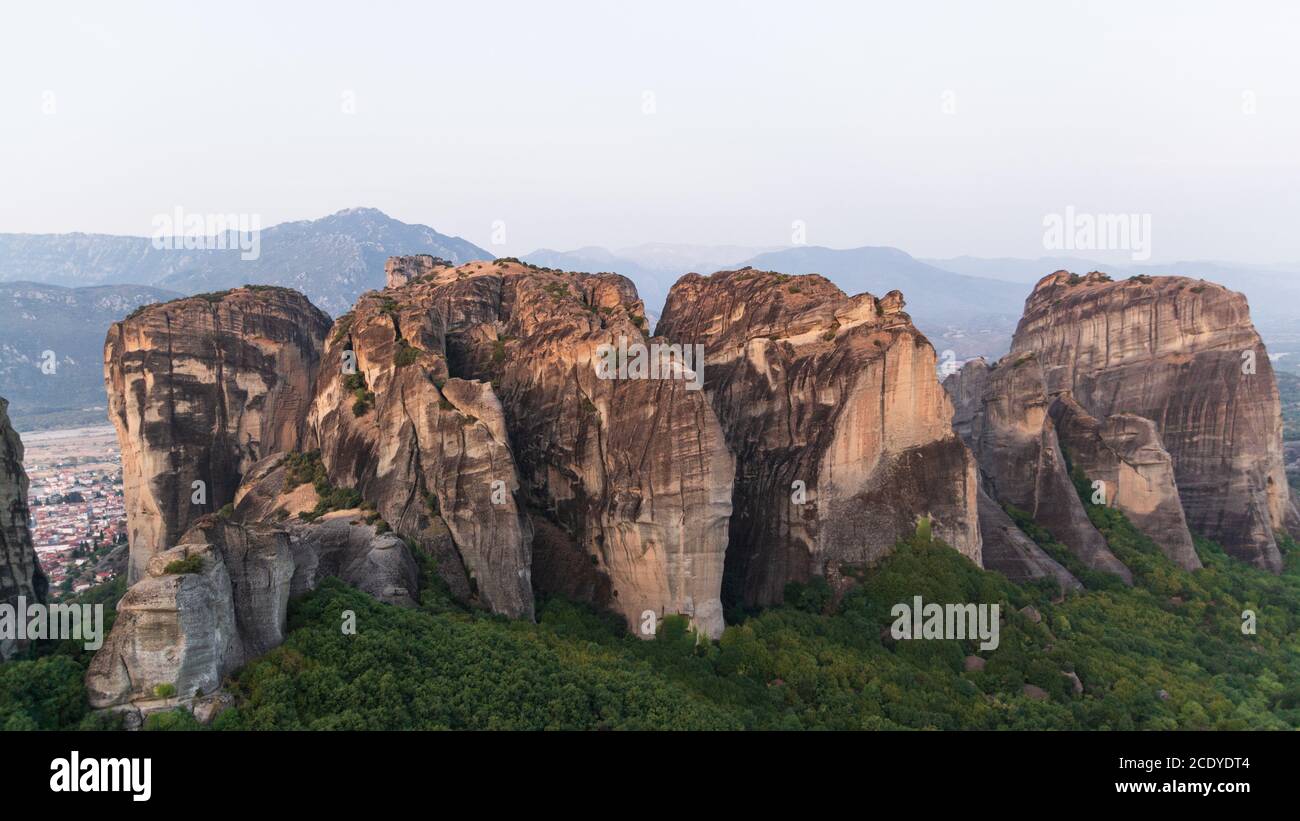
(429, 450)
(1178, 352)
(1125, 454)
(180, 630)
(840, 428)
(1003, 412)
(400, 270)
(175, 634)
(20, 571)
(199, 389)
(1007, 550)
(630, 476)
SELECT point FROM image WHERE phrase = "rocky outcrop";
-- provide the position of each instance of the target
(20, 571)
(1184, 354)
(400, 270)
(1007, 550)
(333, 543)
(429, 450)
(221, 597)
(175, 633)
(1125, 455)
(840, 429)
(340, 546)
(634, 468)
(627, 482)
(1002, 411)
(199, 389)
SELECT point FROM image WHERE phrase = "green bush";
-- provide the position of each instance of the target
(179, 719)
(812, 597)
(42, 694)
(301, 468)
(44, 688)
(803, 665)
(405, 354)
(189, 564)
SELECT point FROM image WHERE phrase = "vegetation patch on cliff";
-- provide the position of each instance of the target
(189, 564)
(303, 468)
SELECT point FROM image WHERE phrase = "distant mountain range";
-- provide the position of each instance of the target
(969, 316)
(654, 267)
(70, 323)
(64, 290)
(1272, 291)
(332, 260)
(966, 314)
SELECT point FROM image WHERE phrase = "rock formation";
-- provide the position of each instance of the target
(498, 409)
(400, 270)
(221, 596)
(1124, 453)
(199, 389)
(429, 450)
(20, 572)
(840, 429)
(1007, 550)
(1184, 354)
(327, 544)
(635, 470)
(175, 633)
(1002, 411)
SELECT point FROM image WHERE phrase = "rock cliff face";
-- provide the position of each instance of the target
(20, 572)
(500, 411)
(180, 631)
(429, 450)
(1003, 412)
(840, 429)
(1007, 550)
(400, 270)
(1183, 354)
(635, 470)
(1125, 454)
(199, 389)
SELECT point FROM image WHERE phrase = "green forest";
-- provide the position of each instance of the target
(1168, 653)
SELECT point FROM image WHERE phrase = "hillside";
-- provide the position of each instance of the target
(332, 260)
(71, 323)
(1168, 653)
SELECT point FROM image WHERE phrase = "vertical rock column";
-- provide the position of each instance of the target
(20, 572)
(199, 389)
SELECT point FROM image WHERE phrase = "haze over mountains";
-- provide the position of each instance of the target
(1268, 282)
(653, 266)
(69, 323)
(61, 291)
(332, 260)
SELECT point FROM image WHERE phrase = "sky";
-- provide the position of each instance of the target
(940, 128)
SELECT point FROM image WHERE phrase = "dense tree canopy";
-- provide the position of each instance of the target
(1167, 653)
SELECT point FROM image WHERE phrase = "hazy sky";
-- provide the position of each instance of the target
(763, 113)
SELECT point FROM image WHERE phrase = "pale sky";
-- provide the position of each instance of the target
(763, 113)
